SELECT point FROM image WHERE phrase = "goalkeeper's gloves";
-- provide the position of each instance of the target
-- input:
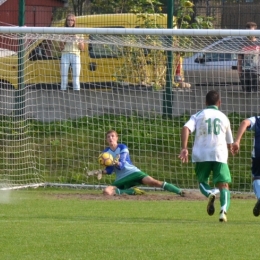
(116, 160)
(97, 173)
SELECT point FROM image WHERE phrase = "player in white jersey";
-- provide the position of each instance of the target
(213, 137)
(128, 175)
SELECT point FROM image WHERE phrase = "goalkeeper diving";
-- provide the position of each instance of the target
(128, 176)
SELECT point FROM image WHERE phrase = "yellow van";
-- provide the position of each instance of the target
(100, 65)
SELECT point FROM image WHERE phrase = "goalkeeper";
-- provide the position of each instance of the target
(127, 175)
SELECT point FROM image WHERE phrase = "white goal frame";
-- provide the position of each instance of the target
(181, 100)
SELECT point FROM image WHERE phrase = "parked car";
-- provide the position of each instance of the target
(214, 68)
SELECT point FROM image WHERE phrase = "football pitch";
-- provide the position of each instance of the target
(48, 223)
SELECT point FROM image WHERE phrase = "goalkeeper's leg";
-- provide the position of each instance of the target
(113, 190)
(164, 185)
(126, 185)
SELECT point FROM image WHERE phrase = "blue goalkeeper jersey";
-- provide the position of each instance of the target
(126, 166)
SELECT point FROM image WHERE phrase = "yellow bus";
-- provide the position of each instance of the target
(100, 65)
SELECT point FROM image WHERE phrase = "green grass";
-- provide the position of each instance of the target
(61, 224)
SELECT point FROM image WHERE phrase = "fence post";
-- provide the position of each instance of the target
(20, 92)
(167, 95)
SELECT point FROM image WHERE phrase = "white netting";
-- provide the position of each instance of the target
(160, 39)
(53, 136)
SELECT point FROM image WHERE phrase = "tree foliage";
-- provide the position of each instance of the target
(184, 11)
(186, 19)
(125, 6)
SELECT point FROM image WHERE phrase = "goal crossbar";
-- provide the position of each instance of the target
(130, 31)
(176, 40)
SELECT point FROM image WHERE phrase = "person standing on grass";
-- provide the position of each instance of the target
(128, 175)
(248, 63)
(213, 138)
(252, 124)
(71, 56)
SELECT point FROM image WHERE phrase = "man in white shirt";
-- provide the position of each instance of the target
(213, 138)
(248, 61)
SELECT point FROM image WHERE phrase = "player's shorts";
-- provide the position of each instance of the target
(220, 172)
(256, 167)
(131, 180)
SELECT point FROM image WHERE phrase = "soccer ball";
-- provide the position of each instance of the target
(105, 159)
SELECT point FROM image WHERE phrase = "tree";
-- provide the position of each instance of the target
(77, 6)
(125, 6)
(185, 17)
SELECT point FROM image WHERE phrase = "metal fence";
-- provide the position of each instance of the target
(229, 15)
(226, 15)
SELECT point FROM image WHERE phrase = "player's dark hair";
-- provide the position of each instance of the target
(251, 25)
(212, 98)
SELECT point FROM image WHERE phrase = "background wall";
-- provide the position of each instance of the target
(50, 105)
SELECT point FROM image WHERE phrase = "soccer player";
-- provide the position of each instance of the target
(252, 124)
(213, 137)
(128, 175)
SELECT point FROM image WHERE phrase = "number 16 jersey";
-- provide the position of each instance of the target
(212, 134)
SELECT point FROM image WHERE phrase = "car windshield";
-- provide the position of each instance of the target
(229, 45)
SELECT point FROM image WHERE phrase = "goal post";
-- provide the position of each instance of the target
(59, 134)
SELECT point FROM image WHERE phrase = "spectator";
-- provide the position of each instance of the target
(71, 56)
(248, 62)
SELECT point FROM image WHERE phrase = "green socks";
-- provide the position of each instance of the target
(205, 189)
(166, 186)
(224, 199)
(128, 191)
(171, 188)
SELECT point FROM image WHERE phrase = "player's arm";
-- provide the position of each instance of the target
(241, 130)
(81, 44)
(119, 162)
(97, 173)
(229, 138)
(230, 148)
(108, 170)
(100, 172)
(185, 132)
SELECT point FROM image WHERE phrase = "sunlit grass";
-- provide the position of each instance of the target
(63, 224)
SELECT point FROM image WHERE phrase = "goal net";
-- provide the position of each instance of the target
(144, 83)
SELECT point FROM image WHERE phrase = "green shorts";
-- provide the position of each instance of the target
(131, 180)
(220, 172)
